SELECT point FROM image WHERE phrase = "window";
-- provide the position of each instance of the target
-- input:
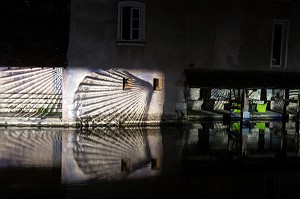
(131, 23)
(125, 164)
(127, 82)
(279, 43)
(155, 164)
(157, 84)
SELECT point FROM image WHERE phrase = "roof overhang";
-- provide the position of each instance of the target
(203, 78)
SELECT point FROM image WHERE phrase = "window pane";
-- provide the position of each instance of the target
(136, 13)
(126, 23)
(135, 34)
(135, 23)
(277, 44)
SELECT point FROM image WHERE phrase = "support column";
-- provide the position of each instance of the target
(208, 103)
(297, 116)
(285, 116)
(263, 94)
(245, 105)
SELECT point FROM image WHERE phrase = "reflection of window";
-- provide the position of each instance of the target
(125, 164)
(131, 22)
(157, 84)
(127, 82)
(280, 43)
(155, 164)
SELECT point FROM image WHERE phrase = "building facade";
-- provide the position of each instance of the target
(127, 59)
(152, 43)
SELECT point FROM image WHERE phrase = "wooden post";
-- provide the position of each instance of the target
(263, 94)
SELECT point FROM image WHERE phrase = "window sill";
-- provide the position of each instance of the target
(131, 43)
(278, 66)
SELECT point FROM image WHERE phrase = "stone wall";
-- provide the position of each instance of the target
(30, 93)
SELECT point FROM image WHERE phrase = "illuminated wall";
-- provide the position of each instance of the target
(30, 93)
(99, 96)
(111, 154)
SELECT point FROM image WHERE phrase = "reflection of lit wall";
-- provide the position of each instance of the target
(261, 141)
(218, 137)
(28, 147)
(101, 95)
(110, 154)
(31, 92)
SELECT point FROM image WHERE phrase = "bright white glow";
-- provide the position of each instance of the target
(29, 92)
(101, 97)
(34, 148)
(98, 154)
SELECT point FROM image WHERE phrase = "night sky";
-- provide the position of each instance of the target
(34, 32)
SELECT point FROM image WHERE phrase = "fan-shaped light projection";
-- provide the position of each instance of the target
(221, 96)
(31, 92)
(294, 94)
(110, 154)
(102, 97)
(30, 147)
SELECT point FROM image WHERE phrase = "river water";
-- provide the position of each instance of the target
(200, 160)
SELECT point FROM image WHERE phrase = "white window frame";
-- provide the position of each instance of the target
(141, 37)
(284, 44)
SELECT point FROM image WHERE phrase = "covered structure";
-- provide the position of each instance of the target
(235, 91)
(241, 79)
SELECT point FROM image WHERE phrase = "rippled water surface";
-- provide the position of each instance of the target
(202, 160)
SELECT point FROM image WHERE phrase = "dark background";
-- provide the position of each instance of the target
(34, 32)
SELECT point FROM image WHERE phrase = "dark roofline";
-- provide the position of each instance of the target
(203, 78)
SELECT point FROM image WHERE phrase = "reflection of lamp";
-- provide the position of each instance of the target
(125, 165)
(155, 164)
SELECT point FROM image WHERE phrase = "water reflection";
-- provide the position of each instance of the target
(116, 154)
(254, 142)
(30, 148)
(111, 154)
(186, 162)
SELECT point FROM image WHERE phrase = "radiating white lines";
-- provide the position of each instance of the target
(31, 92)
(294, 93)
(101, 97)
(99, 154)
(29, 147)
(220, 94)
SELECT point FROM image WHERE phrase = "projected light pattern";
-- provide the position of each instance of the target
(31, 92)
(99, 154)
(35, 148)
(101, 96)
(293, 97)
(278, 104)
(294, 94)
(221, 96)
(218, 129)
